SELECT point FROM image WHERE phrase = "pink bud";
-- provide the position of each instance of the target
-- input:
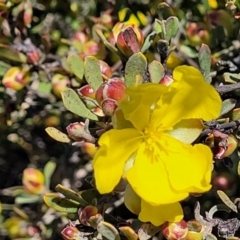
(109, 106)
(33, 57)
(86, 91)
(105, 69)
(70, 233)
(175, 231)
(79, 132)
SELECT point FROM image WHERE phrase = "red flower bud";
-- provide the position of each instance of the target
(86, 213)
(109, 94)
(175, 231)
(105, 69)
(166, 80)
(70, 233)
(86, 91)
(128, 38)
(33, 57)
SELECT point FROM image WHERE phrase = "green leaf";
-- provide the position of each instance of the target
(57, 135)
(148, 41)
(164, 11)
(156, 71)
(227, 201)
(228, 105)
(12, 54)
(76, 65)
(136, 65)
(44, 87)
(48, 172)
(60, 204)
(231, 77)
(93, 73)
(108, 231)
(204, 58)
(90, 194)
(74, 104)
(210, 236)
(171, 26)
(3, 68)
(27, 198)
(70, 194)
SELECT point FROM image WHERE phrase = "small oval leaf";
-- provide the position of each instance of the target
(136, 65)
(76, 65)
(57, 135)
(228, 105)
(204, 58)
(129, 233)
(171, 26)
(48, 171)
(60, 204)
(156, 71)
(92, 72)
(108, 231)
(74, 104)
(227, 200)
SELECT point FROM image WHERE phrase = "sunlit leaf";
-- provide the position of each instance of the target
(156, 71)
(227, 201)
(108, 231)
(57, 135)
(76, 65)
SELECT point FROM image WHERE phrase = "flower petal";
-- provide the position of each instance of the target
(189, 167)
(157, 215)
(187, 130)
(189, 97)
(116, 146)
(149, 179)
(132, 200)
(137, 107)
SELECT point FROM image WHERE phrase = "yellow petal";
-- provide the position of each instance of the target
(132, 200)
(149, 179)
(116, 146)
(157, 215)
(189, 167)
(189, 97)
(137, 107)
(187, 130)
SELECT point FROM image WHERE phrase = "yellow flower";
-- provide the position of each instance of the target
(213, 3)
(151, 144)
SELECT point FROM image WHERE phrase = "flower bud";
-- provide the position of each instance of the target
(175, 231)
(86, 213)
(16, 78)
(166, 80)
(81, 37)
(128, 38)
(79, 132)
(86, 91)
(109, 94)
(70, 233)
(195, 230)
(89, 148)
(33, 57)
(33, 181)
(59, 83)
(105, 70)
(92, 48)
(197, 34)
(232, 144)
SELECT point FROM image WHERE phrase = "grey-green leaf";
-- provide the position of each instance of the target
(48, 171)
(171, 26)
(227, 201)
(92, 72)
(136, 65)
(76, 65)
(108, 231)
(57, 135)
(228, 105)
(204, 58)
(74, 104)
(156, 71)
